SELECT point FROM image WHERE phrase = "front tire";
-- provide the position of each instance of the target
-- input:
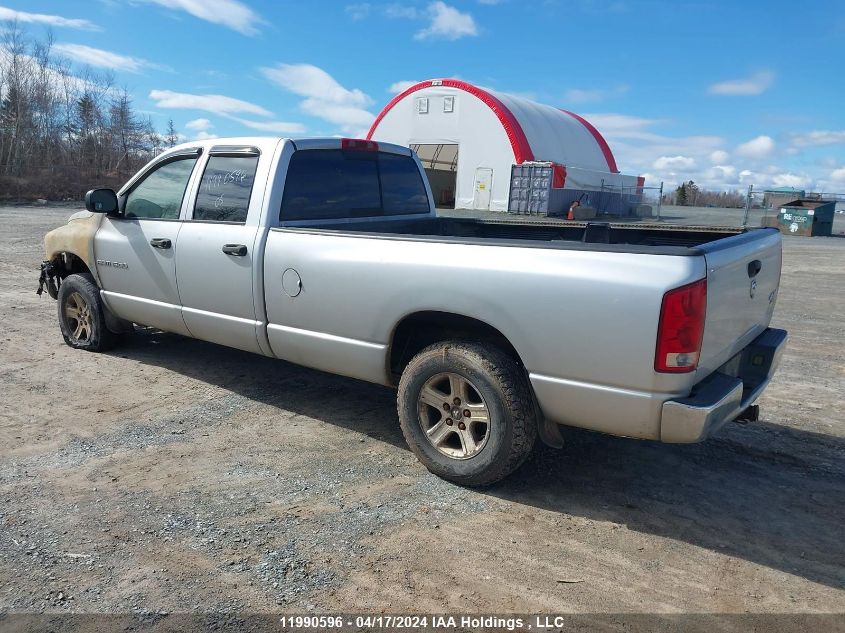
(467, 412)
(81, 315)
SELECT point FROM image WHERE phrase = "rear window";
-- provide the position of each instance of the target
(334, 184)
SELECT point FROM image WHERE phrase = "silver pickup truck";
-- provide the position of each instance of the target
(329, 253)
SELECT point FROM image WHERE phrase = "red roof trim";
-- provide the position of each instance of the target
(605, 148)
(519, 142)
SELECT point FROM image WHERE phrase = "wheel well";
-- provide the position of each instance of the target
(69, 264)
(421, 329)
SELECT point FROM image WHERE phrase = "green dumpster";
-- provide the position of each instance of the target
(810, 218)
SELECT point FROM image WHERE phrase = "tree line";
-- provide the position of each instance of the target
(64, 130)
(689, 194)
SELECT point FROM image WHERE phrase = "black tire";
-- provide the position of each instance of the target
(504, 390)
(79, 295)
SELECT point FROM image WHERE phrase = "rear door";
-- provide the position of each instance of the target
(135, 252)
(216, 252)
(743, 273)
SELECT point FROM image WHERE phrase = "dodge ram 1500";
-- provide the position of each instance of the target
(329, 253)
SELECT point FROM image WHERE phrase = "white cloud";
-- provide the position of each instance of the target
(307, 80)
(43, 18)
(447, 23)
(675, 163)
(819, 137)
(277, 127)
(217, 104)
(339, 114)
(401, 86)
(229, 13)
(719, 156)
(639, 149)
(100, 58)
(723, 174)
(838, 175)
(325, 97)
(202, 135)
(198, 124)
(790, 180)
(397, 10)
(758, 147)
(756, 84)
(202, 126)
(578, 95)
(359, 11)
(728, 171)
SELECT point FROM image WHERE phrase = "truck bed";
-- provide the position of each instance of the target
(603, 236)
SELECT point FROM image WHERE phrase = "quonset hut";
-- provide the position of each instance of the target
(485, 150)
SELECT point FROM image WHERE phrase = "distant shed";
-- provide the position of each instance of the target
(776, 197)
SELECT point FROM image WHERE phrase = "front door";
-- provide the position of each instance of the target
(216, 252)
(135, 252)
(482, 189)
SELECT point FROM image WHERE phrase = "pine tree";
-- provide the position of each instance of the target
(171, 138)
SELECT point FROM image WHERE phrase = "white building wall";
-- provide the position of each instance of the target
(473, 126)
(483, 143)
(555, 135)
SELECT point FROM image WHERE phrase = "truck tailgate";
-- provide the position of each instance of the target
(743, 273)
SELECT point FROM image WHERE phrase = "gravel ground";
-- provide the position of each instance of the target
(173, 475)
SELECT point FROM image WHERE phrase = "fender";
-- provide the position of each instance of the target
(77, 238)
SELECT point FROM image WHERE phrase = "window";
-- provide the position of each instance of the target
(160, 193)
(334, 184)
(225, 189)
(402, 187)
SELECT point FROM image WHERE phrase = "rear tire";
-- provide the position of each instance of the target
(445, 382)
(81, 315)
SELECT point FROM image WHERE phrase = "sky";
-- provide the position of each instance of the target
(725, 93)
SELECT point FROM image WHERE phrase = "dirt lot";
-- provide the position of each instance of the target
(174, 475)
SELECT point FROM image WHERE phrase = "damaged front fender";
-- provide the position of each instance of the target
(75, 238)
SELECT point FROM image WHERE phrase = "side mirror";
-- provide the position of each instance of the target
(101, 201)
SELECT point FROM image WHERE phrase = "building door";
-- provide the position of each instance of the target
(441, 166)
(482, 188)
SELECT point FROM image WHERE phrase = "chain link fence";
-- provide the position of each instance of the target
(752, 208)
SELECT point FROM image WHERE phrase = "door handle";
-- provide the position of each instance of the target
(238, 250)
(160, 242)
(754, 268)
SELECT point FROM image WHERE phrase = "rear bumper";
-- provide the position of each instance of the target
(723, 395)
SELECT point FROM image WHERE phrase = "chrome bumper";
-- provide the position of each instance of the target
(726, 393)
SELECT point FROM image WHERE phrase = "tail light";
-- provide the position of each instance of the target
(358, 145)
(681, 328)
